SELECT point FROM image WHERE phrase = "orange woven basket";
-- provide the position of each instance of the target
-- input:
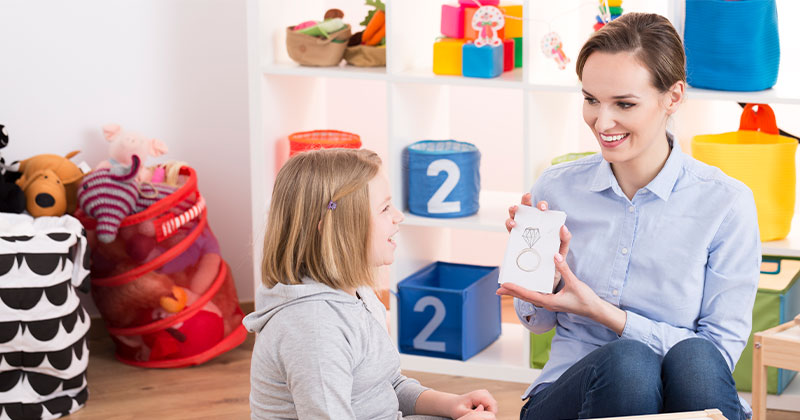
(322, 139)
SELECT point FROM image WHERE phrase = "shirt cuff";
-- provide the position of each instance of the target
(408, 394)
(636, 328)
(524, 308)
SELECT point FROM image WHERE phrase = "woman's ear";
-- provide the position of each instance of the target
(674, 97)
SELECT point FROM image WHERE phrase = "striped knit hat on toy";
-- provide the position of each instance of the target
(111, 194)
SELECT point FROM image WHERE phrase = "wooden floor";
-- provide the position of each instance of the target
(219, 389)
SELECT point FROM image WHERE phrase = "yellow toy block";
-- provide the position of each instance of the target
(447, 56)
(513, 28)
(613, 3)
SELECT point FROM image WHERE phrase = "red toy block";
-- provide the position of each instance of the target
(508, 54)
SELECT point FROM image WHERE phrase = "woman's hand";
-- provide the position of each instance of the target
(474, 405)
(512, 211)
(575, 297)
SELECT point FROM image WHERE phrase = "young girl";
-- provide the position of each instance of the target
(323, 351)
(660, 255)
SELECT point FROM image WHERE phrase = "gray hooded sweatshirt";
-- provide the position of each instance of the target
(321, 353)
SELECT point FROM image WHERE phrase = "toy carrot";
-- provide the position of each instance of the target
(375, 24)
(377, 37)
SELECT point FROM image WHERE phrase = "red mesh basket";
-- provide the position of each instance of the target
(167, 297)
(322, 139)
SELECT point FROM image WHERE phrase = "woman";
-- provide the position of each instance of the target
(660, 254)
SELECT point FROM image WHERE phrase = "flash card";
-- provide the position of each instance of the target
(532, 244)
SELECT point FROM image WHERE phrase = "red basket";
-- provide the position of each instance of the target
(322, 139)
(166, 295)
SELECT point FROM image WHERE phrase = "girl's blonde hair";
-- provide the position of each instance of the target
(307, 234)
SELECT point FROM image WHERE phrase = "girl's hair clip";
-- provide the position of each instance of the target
(331, 205)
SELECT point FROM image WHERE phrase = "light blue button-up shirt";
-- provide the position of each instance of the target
(682, 258)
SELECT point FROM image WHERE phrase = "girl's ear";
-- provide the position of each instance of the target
(674, 97)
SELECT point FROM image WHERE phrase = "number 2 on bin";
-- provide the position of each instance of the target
(421, 340)
(436, 204)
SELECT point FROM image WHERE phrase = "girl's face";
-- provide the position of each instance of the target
(626, 113)
(384, 221)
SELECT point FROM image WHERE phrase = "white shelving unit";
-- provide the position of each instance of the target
(538, 110)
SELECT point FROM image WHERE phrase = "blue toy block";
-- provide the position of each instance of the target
(486, 61)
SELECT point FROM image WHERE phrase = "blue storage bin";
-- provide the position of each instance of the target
(448, 310)
(443, 178)
(732, 45)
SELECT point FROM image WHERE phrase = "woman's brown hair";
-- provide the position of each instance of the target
(651, 38)
(308, 235)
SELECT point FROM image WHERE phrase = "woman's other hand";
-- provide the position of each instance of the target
(512, 211)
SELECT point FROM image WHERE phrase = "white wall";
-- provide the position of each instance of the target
(172, 69)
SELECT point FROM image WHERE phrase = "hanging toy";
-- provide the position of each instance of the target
(487, 20)
(551, 47)
(607, 11)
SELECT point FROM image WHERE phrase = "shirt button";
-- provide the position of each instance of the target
(615, 292)
(631, 209)
(624, 251)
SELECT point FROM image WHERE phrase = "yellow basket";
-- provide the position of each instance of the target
(761, 158)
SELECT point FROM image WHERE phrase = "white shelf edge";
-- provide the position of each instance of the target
(508, 80)
(345, 72)
(491, 216)
(789, 400)
(507, 359)
(786, 247)
(769, 96)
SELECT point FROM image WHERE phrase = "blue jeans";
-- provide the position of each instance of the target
(625, 378)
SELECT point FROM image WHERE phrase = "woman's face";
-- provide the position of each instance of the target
(384, 221)
(626, 113)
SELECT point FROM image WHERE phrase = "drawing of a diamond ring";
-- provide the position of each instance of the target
(529, 259)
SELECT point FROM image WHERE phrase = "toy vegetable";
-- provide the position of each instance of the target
(375, 23)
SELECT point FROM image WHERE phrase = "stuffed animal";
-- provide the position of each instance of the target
(200, 332)
(50, 183)
(129, 304)
(125, 144)
(111, 194)
(12, 199)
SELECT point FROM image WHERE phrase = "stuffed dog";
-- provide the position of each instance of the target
(50, 184)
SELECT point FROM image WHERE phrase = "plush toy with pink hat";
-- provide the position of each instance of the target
(124, 144)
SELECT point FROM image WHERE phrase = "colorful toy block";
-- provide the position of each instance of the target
(473, 3)
(518, 52)
(486, 61)
(613, 3)
(447, 56)
(452, 21)
(508, 54)
(513, 27)
(470, 33)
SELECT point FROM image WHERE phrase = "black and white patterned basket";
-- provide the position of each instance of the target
(43, 325)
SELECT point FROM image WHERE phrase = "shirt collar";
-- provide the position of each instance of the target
(661, 185)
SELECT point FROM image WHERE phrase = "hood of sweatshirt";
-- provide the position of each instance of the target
(271, 301)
